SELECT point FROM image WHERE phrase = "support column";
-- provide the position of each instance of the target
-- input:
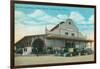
(91, 45)
(71, 49)
(23, 53)
(79, 47)
(85, 44)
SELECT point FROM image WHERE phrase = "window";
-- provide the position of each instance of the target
(73, 34)
(61, 22)
(69, 22)
(66, 33)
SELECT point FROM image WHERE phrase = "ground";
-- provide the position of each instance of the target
(32, 60)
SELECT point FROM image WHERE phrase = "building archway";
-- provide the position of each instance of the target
(38, 46)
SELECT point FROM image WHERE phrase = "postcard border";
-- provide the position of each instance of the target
(12, 65)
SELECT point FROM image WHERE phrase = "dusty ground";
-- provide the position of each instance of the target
(31, 60)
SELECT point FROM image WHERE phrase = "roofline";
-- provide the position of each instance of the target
(30, 36)
(62, 23)
(72, 39)
(57, 25)
(35, 35)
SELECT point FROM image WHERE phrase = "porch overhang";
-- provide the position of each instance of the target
(79, 39)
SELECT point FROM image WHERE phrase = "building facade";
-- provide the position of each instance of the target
(64, 36)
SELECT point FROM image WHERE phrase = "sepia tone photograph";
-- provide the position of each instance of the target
(48, 33)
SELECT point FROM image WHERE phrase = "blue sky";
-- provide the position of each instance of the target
(53, 10)
(38, 16)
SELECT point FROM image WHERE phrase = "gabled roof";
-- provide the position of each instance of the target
(57, 26)
(61, 23)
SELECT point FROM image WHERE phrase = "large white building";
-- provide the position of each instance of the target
(64, 35)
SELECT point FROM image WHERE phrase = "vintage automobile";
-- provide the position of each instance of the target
(76, 52)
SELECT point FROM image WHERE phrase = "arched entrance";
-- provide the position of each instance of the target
(38, 46)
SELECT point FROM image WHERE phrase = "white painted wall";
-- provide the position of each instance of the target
(28, 50)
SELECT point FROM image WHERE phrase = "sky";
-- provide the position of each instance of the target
(32, 19)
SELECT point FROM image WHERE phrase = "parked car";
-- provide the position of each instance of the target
(79, 51)
(89, 51)
(82, 51)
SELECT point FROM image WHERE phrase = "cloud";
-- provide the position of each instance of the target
(91, 19)
(19, 16)
(42, 16)
(37, 13)
(49, 19)
(80, 19)
(77, 17)
(62, 16)
(37, 17)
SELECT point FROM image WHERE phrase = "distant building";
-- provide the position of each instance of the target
(64, 35)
